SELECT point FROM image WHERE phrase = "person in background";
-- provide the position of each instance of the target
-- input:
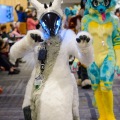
(82, 10)
(1, 90)
(117, 12)
(1, 69)
(4, 59)
(31, 22)
(20, 13)
(34, 14)
(4, 33)
(15, 33)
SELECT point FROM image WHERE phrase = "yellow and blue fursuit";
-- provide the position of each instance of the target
(102, 24)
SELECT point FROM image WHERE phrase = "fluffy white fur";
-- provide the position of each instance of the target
(58, 100)
(60, 95)
(56, 6)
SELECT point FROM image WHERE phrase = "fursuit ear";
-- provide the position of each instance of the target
(45, 6)
(37, 4)
(50, 4)
(39, 7)
(57, 3)
(67, 12)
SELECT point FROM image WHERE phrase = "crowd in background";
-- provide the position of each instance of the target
(8, 38)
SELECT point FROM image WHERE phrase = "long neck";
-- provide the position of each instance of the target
(61, 67)
(53, 48)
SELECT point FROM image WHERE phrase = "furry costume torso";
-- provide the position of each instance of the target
(102, 35)
(53, 47)
(59, 94)
(57, 98)
(103, 26)
(56, 72)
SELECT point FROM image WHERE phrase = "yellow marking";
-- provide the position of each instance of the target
(84, 20)
(82, 28)
(92, 11)
(76, 60)
(100, 33)
(71, 8)
(110, 58)
(117, 47)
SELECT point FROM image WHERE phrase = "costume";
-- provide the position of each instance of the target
(103, 26)
(51, 91)
(73, 22)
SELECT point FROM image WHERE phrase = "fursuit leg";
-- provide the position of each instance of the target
(100, 104)
(75, 108)
(108, 103)
(28, 98)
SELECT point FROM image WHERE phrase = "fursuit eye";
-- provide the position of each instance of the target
(95, 3)
(106, 2)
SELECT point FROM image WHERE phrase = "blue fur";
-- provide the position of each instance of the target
(68, 12)
(89, 4)
(93, 14)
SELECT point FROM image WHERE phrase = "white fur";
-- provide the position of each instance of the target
(86, 49)
(56, 6)
(24, 46)
(59, 98)
(86, 82)
(40, 7)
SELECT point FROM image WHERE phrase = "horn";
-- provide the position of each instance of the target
(37, 4)
(45, 6)
(50, 4)
(57, 3)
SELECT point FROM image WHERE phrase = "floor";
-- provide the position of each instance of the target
(14, 87)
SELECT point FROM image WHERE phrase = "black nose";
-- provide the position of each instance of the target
(101, 10)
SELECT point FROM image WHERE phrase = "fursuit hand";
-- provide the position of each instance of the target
(36, 37)
(84, 39)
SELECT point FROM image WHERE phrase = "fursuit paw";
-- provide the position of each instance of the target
(84, 39)
(36, 37)
(27, 113)
(86, 84)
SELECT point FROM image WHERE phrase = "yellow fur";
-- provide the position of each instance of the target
(117, 47)
(100, 33)
(117, 52)
(100, 104)
(104, 100)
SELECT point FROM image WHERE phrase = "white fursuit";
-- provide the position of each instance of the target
(58, 98)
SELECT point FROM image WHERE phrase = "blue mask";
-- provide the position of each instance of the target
(51, 23)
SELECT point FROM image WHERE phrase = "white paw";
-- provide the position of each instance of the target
(84, 39)
(86, 82)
